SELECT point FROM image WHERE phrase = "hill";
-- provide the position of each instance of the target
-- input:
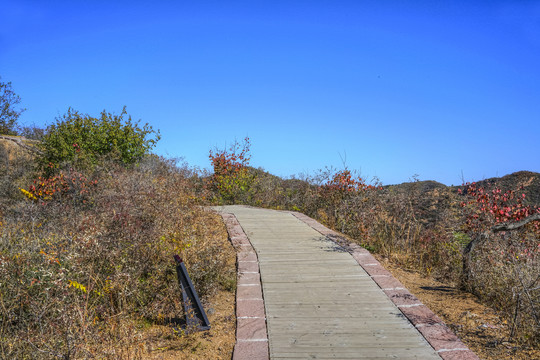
(432, 200)
(527, 181)
(18, 145)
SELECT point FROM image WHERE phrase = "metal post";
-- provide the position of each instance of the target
(194, 312)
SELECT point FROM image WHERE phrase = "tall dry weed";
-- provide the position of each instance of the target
(80, 279)
(423, 226)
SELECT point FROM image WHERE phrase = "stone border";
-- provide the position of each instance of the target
(251, 334)
(433, 329)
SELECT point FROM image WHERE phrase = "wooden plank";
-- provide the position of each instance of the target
(319, 302)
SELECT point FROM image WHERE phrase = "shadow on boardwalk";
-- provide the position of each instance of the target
(321, 299)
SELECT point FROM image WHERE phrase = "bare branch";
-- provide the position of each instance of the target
(516, 225)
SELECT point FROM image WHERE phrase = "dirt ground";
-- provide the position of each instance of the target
(217, 343)
(162, 343)
(478, 326)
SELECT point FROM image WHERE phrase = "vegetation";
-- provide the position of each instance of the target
(503, 252)
(9, 114)
(88, 227)
(232, 181)
(84, 141)
(86, 251)
(421, 225)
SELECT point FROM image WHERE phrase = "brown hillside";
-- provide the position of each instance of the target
(432, 200)
(530, 181)
(14, 147)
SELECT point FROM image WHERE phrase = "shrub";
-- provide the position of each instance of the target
(422, 225)
(67, 186)
(80, 279)
(485, 208)
(232, 181)
(503, 268)
(84, 141)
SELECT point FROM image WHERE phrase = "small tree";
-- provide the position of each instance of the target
(85, 141)
(8, 113)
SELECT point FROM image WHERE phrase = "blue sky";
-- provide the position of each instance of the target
(396, 87)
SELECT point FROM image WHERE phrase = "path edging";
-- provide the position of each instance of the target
(443, 340)
(251, 333)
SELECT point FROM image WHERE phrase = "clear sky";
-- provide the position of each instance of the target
(434, 88)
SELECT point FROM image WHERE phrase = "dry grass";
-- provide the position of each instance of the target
(506, 270)
(422, 226)
(478, 326)
(88, 271)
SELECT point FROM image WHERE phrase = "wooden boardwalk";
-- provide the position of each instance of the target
(319, 303)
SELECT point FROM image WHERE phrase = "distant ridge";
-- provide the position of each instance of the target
(529, 180)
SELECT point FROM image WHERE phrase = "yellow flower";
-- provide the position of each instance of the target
(28, 194)
(77, 285)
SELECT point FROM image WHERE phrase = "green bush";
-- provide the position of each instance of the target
(86, 141)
